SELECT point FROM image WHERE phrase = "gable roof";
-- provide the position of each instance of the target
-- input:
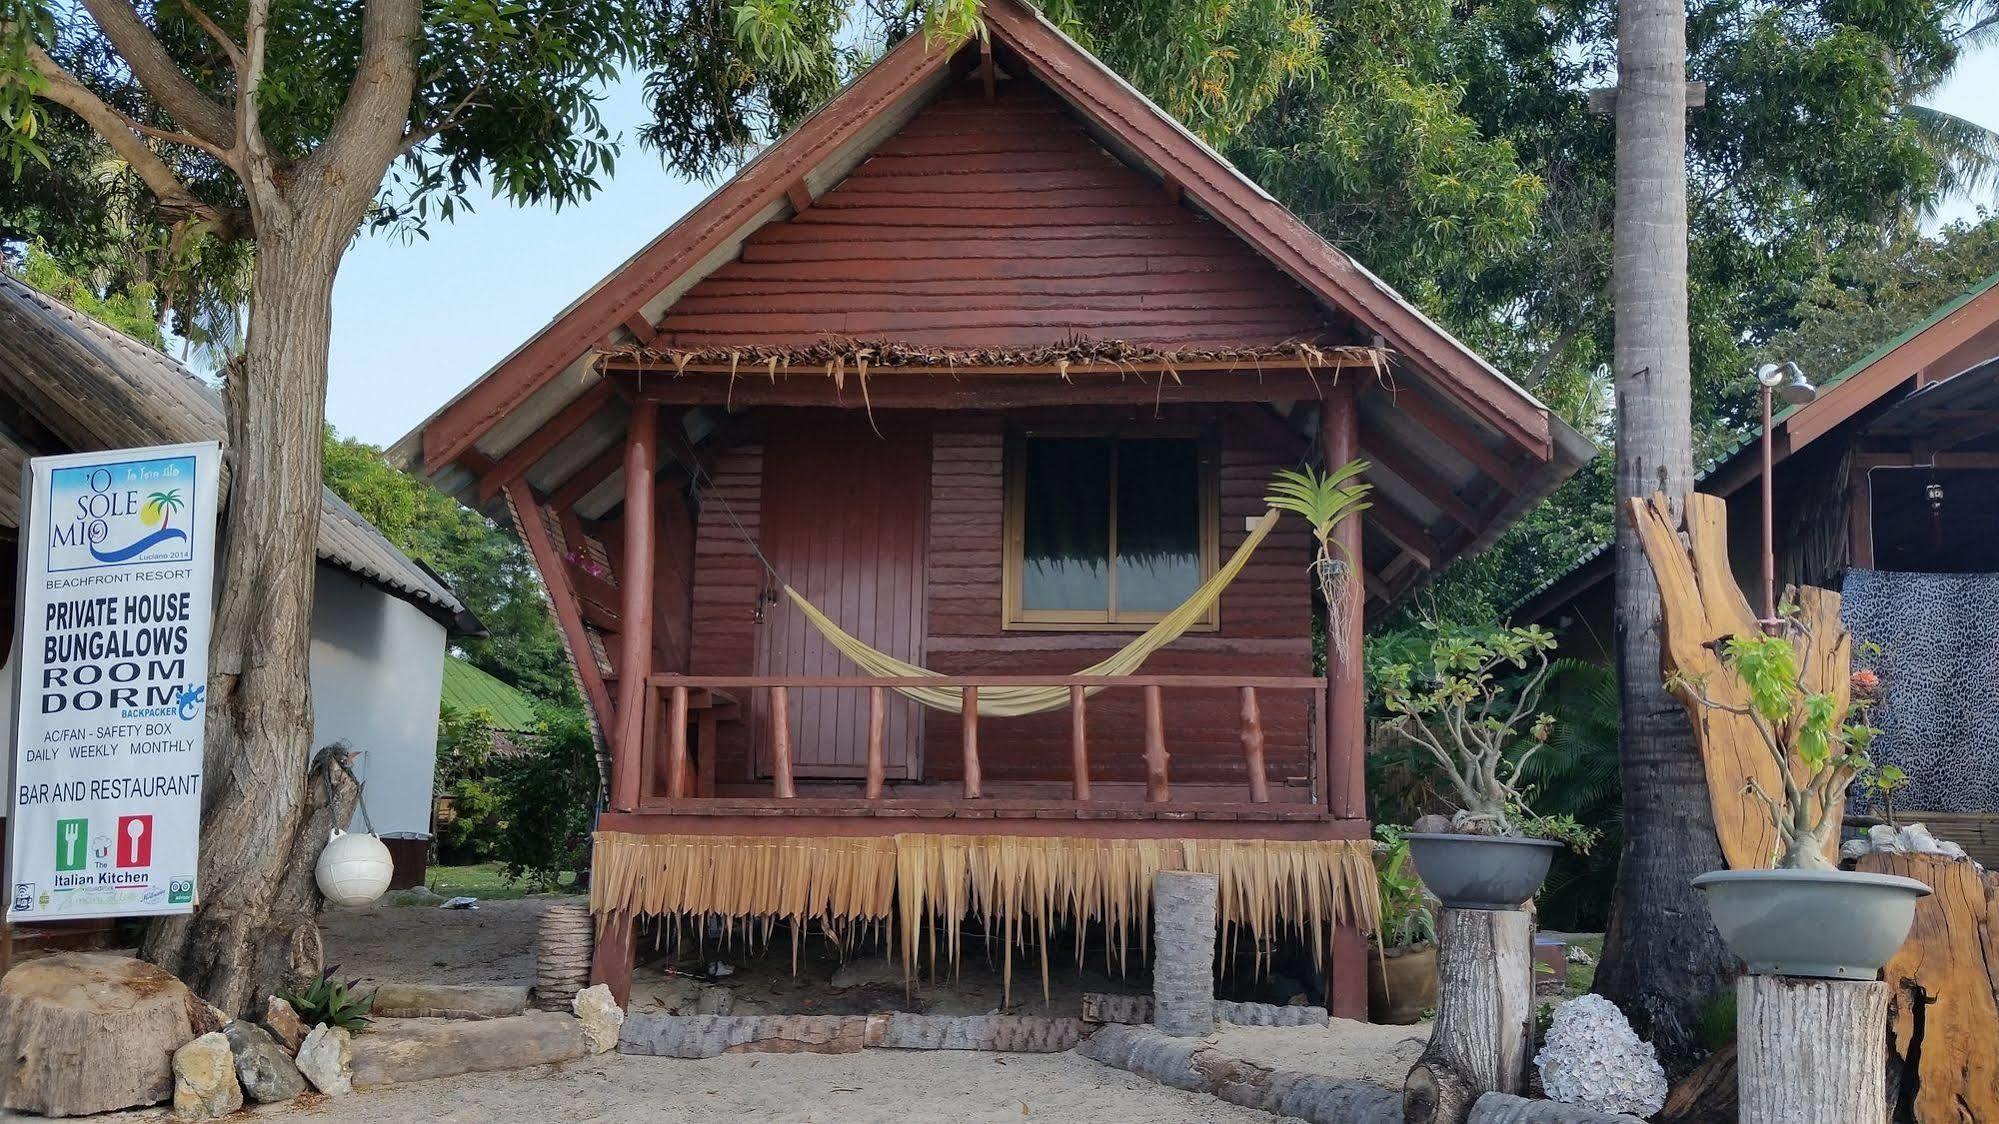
(1479, 449)
(1937, 340)
(90, 386)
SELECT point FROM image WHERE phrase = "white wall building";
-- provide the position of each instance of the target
(380, 621)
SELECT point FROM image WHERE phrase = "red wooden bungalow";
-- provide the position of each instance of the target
(992, 361)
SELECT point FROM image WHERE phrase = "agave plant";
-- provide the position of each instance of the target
(1325, 499)
(331, 1002)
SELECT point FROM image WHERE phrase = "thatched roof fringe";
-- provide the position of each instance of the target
(836, 356)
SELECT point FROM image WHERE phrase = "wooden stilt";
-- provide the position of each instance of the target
(611, 961)
(1157, 787)
(1252, 747)
(1346, 972)
(877, 720)
(968, 733)
(780, 743)
(1185, 908)
(1811, 1051)
(1079, 744)
(635, 582)
(1484, 1033)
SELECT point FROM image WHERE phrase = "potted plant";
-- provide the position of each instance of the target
(1804, 917)
(1404, 982)
(1470, 701)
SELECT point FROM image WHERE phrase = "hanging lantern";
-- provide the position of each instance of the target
(354, 868)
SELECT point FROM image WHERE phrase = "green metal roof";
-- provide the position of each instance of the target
(467, 688)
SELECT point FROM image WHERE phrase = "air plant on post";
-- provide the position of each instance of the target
(1806, 917)
(1324, 499)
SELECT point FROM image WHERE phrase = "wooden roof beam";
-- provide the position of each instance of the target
(1461, 440)
(585, 480)
(542, 441)
(885, 389)
(1403, 529)
(1426, 483)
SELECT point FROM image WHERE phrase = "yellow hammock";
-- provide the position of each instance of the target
(1007, 702)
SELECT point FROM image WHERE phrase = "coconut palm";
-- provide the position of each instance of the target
(166, 503)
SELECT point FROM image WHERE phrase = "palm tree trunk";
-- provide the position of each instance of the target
(1662, 958)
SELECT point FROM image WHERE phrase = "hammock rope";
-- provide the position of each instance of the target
(1005, 702)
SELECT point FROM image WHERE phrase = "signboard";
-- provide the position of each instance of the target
(117, 583)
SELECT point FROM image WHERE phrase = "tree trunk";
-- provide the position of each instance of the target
(254, 927)
(1484, 1033)
(1662, 958)
(1812, 1051)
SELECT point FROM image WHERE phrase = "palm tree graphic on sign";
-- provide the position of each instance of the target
(159, 507)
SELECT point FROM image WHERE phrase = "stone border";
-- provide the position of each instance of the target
(709, 1036)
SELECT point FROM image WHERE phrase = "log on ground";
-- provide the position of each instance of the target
(393, 1052)
(1185, 1064)
(447, 1001)
(710, 1036)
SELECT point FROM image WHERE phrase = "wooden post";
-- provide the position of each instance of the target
(780, 742)
(877, 719)
(1484, 1033)
(635, 614)
(1185, 907)
(1811, 1051)
(1157, 789)
(611, 959)
(1252, 747)
(1346, 689)
(676, 742)
(968, 732)
(1346, 974)
(1079, 744)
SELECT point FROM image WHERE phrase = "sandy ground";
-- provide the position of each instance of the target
(877, 1085)
(495, 944)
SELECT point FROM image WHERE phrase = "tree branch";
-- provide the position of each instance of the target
(207, 23)
(123, 135)
(157, 71)
(370, 131)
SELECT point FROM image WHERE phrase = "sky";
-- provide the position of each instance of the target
(415, 322)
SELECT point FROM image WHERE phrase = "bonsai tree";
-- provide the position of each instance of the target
(1820, 752)
(1471, 701)
(1324, 499)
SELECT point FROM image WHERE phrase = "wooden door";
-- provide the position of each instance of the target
(846, 522)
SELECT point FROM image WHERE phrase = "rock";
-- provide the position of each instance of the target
(1593, 1059)
(205, 1085)
(326, 1058)
(601, 1016)
(1580, 955)
(715, 1001)
(267, 1072)
(1885, 840)
(1854, 848)
(283, 1023)
(1432, 824)
(86, 1032)
(875, 971)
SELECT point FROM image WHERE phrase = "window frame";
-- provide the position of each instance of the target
(1013, 535)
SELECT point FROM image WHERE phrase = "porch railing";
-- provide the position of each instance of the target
(671, 697)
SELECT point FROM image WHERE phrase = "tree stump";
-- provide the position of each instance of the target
(85, 1032)
(1185, 906)
(1811, 1051)
(1484, 1033)
(1945, 991)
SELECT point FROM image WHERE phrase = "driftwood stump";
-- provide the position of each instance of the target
(1943, 1004)
(1811, 1051)
(1484, 1033)
(87, 1032)
(1185, 906)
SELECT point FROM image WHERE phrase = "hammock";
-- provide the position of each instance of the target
(1008, 702)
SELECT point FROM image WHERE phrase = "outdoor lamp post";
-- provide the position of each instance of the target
(1796, 390)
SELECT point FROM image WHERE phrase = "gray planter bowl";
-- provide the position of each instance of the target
(1481, 871)
(1831, 924)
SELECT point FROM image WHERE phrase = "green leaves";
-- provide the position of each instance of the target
(1322, 498)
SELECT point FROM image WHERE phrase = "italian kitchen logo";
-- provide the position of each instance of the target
(117, 856)
(120, 514)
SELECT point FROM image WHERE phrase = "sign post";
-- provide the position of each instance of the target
(117, 588)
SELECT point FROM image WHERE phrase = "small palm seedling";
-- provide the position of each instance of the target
(1325, 499)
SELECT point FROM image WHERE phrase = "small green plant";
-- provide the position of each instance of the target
(1407, 920)
(331, 1002)
(1797, 724)
(1716, 1024)
(1472, 702)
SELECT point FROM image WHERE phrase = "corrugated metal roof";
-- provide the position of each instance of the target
(468, 688)
(36, 329)
(1754, 434)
